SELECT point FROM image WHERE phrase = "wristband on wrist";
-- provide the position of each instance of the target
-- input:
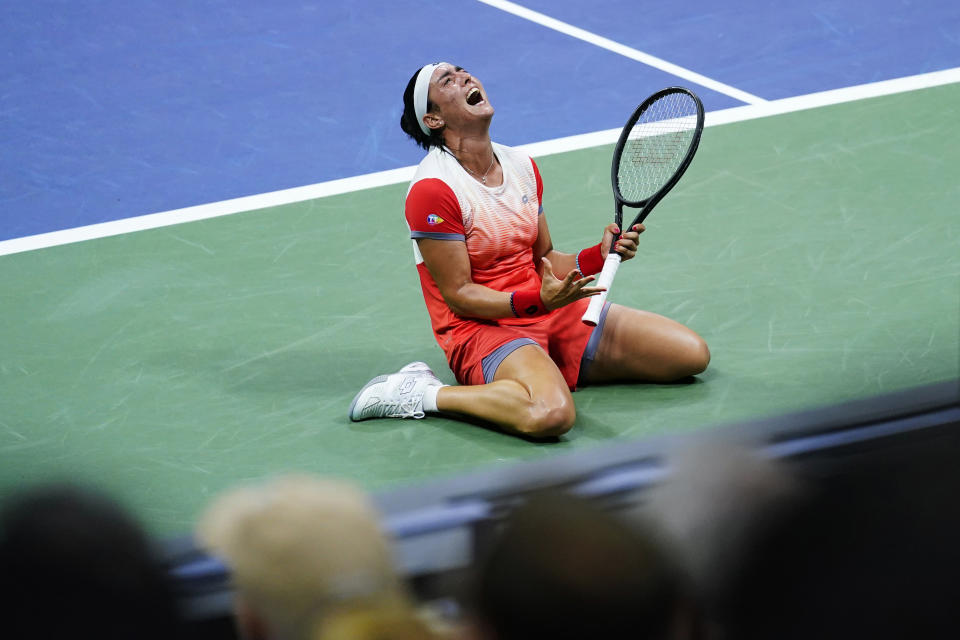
(527, 304)
(590, 260)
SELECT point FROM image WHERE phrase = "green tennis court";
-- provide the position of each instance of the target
(817, 252)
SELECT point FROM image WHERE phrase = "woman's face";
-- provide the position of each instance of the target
(458, 97)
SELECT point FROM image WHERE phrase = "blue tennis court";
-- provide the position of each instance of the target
(115, 110)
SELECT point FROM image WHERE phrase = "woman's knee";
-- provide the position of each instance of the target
(699, 358)
(544, 407)
(693, 358)
(548, 418)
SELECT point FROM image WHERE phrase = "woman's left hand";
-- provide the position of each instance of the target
(626, 243)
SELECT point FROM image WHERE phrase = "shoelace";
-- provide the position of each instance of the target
(407, 408)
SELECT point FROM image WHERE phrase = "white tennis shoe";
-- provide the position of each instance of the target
(397, 395)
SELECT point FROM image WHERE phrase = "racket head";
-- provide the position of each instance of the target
(656, 147)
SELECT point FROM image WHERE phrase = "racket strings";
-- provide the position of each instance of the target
(656, 146)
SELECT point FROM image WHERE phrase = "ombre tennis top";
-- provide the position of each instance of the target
(497, 224)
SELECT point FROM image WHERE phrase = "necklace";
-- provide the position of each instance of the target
(482, 178)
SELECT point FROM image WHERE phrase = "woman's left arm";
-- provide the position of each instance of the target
(563, 263)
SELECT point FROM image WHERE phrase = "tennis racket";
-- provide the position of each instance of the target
(654, 149)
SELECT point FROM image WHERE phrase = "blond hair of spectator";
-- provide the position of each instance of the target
(309, 561)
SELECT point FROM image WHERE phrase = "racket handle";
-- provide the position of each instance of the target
(610, 266)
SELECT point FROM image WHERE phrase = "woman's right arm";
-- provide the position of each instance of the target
(449, 265)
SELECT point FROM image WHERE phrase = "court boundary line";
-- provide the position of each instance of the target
(404, 174)
(622, 49)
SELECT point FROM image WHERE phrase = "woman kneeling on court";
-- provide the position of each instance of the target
(505, 306)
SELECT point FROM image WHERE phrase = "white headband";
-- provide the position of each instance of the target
(420, 90)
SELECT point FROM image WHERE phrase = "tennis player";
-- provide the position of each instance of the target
(504, 304)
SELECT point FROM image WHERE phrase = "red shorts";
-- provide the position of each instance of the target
(571, 344)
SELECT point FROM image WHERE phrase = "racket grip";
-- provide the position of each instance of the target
(610, 266)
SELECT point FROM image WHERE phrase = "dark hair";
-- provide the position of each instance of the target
(74, 563)
(565, 568)
(409, 122)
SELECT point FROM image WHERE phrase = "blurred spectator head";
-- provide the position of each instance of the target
(735, 518)
(563, 567)
(73, 563)
(309, 559)
(717, 503)
(854, 543)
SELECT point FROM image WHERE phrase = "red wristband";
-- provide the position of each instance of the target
(590, 261)
(527, 304)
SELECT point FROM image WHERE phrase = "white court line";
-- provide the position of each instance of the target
(771, 108)
(623, 50)
(404, 174)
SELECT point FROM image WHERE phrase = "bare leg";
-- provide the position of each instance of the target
(528, 396)
(643, 346)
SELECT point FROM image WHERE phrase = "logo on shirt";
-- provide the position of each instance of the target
(434, 219)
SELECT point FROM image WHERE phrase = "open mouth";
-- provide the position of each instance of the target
(474, 97)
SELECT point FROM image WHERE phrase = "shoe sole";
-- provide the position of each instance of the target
(353, 404)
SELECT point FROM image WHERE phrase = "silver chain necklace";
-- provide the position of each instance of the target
(482, 178)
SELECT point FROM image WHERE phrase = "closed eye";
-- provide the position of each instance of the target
(447, 78)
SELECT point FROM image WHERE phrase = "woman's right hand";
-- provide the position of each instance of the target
(556, 293)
